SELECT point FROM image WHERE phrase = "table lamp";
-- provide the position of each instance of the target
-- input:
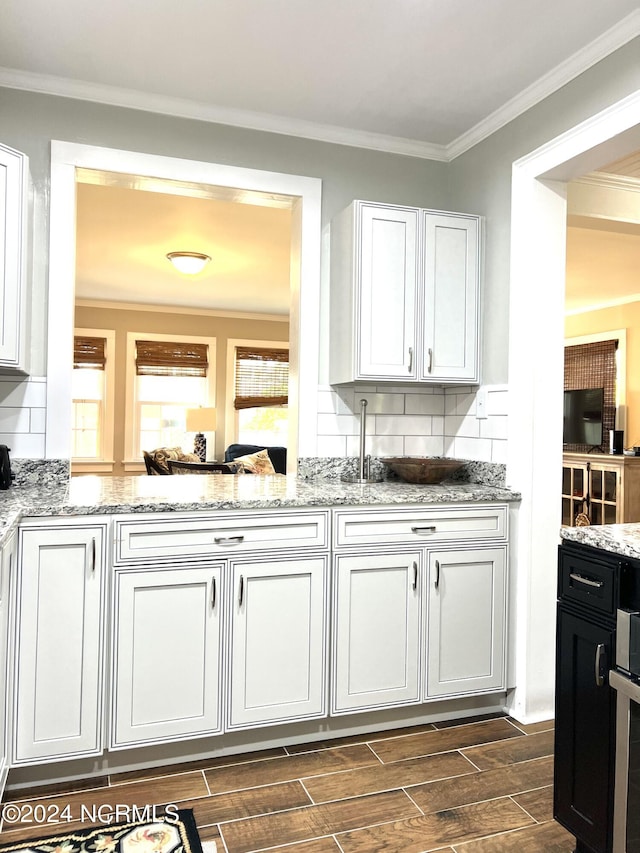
(201, 420)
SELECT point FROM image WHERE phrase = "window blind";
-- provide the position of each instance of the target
(593, 365)
(89, 353)
(171, 358)
(262, 377)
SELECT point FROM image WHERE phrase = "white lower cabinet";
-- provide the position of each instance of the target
(466, 619)
(7, 561)
(376, 635)
(166, 656)
(59, 649)
(278, 617)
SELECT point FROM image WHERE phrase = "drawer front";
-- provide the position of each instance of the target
(173, 538)
(588, 582)
(418, 525)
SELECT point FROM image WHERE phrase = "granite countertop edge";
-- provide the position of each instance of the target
(116, 496)
(621, 539)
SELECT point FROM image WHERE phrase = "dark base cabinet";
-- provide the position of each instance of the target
(584, 745)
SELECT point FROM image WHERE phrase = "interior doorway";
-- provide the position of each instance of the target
(305, 196)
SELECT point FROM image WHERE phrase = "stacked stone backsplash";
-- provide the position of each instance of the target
(40, 472)
(334, 468)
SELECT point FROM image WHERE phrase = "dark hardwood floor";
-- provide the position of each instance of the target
(475, 786)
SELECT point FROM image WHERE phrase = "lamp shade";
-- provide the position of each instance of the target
(201, 420)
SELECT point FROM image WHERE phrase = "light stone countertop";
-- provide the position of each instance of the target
(194, 493)
(623, 539)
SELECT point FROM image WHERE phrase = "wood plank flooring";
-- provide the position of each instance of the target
(475, 786)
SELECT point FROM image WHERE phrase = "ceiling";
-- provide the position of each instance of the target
(422, 77)
(416, 77)
(124, 234)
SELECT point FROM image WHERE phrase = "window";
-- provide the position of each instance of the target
(593, 365)
(261, 395)
(92, 399)
(167, 375)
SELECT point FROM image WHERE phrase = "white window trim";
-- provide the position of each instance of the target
(105, 462)
(230, 414)
(130, 461)
(621, 366)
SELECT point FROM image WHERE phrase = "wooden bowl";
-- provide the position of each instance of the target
(422, 469)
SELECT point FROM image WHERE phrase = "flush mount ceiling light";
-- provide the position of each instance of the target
(189, 263)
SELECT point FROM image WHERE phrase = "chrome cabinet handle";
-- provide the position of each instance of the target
(600, 664)
(241, 591)
(420, 530)
(430, 351)
(586, 581)
(93, 556)
(415, 575)
(213, 592)
(228, 540)
(437, 583)
(410, 359)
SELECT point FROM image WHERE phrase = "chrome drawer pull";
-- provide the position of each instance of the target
(421, 530)
(586, 581)
(228, 540)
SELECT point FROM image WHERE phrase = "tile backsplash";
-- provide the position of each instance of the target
(429, 421)
(22, 415)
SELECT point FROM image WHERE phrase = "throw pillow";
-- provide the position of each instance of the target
(257, 463)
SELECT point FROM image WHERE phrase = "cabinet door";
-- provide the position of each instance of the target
(278, 639)
(166, 654)
(13, 209)
(7, 559)
(388, 269)
(575, 487)
(59, 649)
(466, 623)
(450, 309)
(584, 732)
(605, 506)
(376, 631)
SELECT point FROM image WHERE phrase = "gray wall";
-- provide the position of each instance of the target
(480, 180)
(29, 122)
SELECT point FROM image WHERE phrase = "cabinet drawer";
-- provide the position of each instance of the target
(588, 582)
(423, 525)
(173, 538)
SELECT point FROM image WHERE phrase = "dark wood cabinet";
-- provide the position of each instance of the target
(585, 729)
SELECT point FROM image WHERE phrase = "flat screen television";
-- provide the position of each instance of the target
(583, 410)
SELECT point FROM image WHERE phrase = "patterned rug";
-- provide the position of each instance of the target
(165, 835)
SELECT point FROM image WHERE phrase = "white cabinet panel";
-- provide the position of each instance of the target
(13, 238)
(376, 631)
(466, 621)
(387, 293)
(278, 635)
(182, 538)
(59, 652)
(166, 654)
(451, 284)
(7, 564)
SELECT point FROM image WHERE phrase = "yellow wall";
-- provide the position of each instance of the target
(221, 328)
(609, 319)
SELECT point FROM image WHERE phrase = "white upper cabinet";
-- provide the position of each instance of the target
(404, 295)
(13, 237)
(450, 316)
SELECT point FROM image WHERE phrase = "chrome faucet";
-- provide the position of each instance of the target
(364, 462)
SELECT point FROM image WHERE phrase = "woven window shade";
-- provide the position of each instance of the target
(262, 377)
(89, 353)
(593, 365)
(171, 358)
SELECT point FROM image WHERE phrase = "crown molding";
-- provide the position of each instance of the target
(608, 181)
(614, 38)
(617, 36)
(12, 78)
(601, 306)
(173, 309)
